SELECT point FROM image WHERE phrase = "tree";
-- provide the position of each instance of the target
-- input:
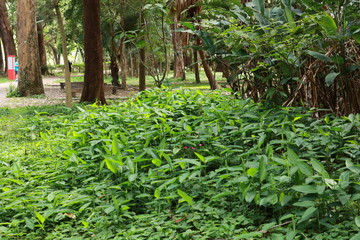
(6, 31)
(30, 82)
(93, 90)
(65, 54)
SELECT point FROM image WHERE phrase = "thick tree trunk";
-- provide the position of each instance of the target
(6, 32)
(42, 51)
(93, 90)
(30, 82)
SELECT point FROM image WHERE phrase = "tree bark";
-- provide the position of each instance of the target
(93, 90)
(207, 69)
(196, 67)
(42, 50)
(6, 32)
(142, 68)
(64, 50)
(30, 82)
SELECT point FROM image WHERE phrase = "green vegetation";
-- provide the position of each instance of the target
(178, 165)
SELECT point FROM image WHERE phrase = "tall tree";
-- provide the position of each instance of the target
(93, 90)
(65, 54)
(30, 82)
(42, 50)
(6, 31)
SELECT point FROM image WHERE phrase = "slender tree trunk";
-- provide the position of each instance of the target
(93, 90)
(2, 65)
(65, 55)
(42, 50)
(142, 68)
(6, 32)
(30, 82)
(207, 69)
(114, 68)
(196, 67)
(123, 64)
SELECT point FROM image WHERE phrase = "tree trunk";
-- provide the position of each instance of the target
(179, 63)
(114, 68)
(196, 67)
(93, 90)
(142, 68)
(30, 82)
(42, 51)
(64, 50)
(123, 65)
(207, 69)
(6, 32)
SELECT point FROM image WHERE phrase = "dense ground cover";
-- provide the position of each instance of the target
(178, 165)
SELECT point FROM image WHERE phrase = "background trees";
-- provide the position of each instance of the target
(282, 52)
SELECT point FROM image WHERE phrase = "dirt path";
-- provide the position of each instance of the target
(53, 94)
(49, 98)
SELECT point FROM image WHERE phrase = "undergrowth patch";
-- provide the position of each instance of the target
(181, 165)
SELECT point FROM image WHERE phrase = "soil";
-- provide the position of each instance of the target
(55, 95)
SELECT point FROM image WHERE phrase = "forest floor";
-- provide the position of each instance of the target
(53, 94)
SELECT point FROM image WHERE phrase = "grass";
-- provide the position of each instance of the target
(4, 80)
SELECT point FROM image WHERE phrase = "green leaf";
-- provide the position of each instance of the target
(40, 217)
(157, 192)
(320, 56)
(249, 235)
(157, 162)
(328, 24)
(201, 157)
(356, 237)
(304, 168)
(308, 213)
(262, 168)
(329, 79)
(305, 188)
(319, 167)
(185, 196)
(252, 171)
(357, 221)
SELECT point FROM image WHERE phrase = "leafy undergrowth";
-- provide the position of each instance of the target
(180, 165)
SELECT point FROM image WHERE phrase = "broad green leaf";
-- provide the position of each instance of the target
(319, 56)
(157, 192)
(157, 162)
(304, 204)
(355, 237)
(329, 79)
(328, 24)
(319, 167)
(29, 223)
(304, 168)
(262, 167)
(252, 171)
(14, 180)
(259, 6)
(201, 157)
(292, 156)
(40, 217)
(308, 213)
(250, 235)
(185, 196)
(357, 221)
(305, 188)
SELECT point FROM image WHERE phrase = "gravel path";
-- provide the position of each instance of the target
(53, 94)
